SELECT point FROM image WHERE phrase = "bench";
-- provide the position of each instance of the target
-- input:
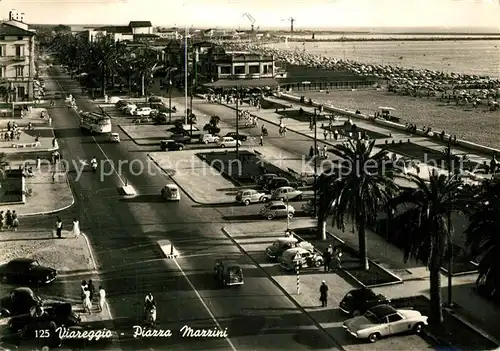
(26, 145)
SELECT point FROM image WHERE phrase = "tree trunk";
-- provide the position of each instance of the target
(363, 247)
(321, 228)
(103, 81)
(142, 84)
(436, 315)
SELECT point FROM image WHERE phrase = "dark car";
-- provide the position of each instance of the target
(240, 137)
(357, 302)
(20, 301)
(154, 99)
(171, 145)
(263, 179)
(228, 273)
(278, 182)
(29, 325)
(28, 271)
(181, 138)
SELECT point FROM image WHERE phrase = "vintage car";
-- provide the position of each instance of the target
(384, 320)
(19, 301)
(228, 273)
(227, 142)
(277, 209)
(263, 179)
(171, 145)
(286, 193)
(114, 137)
(280, 245)
(239, 136)
(249, 196)
(356, 302)
(303, 257)
(143, 111)
(28, 271)
(171, 192)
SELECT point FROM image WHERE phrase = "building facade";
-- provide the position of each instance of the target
(141, 27)
(17, 60)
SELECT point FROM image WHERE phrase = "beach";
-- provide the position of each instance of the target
(478, 125)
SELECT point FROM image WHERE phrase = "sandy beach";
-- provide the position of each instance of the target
(478, 125)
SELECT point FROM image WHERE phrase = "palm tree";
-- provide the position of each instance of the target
(483, 233)
(146, 61)
(431, 206)
(104, 53)
(360, 190)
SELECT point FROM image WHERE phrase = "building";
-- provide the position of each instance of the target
(141, 27)
(17, 59)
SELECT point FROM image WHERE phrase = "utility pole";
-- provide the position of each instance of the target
(315, 166)
(450, 241)
(169, 101)
(191, 110)
(186, 74)
(237, 125)
(287, 216)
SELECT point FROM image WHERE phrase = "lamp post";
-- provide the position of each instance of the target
(450, 241)
(169, 101)
(186, 74)
(191, 108)
(287, 216)
(315, 165)
(237, 126)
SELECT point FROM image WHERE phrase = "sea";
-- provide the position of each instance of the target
(477, 57)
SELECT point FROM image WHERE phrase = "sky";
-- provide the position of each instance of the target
(267, 13)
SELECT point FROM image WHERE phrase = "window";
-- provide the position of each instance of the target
(239, 70)
(394, 318)
(19, 71)
(20, 38)
(2, 50)
(2, 71)
(225, 70)
(19, 50)
(266, 69)
(254, 69)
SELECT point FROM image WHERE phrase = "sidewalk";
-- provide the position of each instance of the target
(46, 196)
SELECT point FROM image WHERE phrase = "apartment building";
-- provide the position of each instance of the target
(17, 60)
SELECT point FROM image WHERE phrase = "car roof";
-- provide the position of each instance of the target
(22, 260)
(287, 239)
(382, 311)
(285, 187)
(171, 186)
(363, 293)
(114, 134)
(295, 250)
(23, 289)
(274, 203)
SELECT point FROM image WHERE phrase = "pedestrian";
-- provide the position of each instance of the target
(8, 219)
(1, 220)
(327, 259)
(83, 286)
(102, 298)
(323, 294)
(38, 162)
(87, 304)
(337, 257)
(59, 226)
(325, 134)
(325, 151)
(311, 152)
(91, 288)
(261, 143)
(15, 221)
(76, 227)
(50, 121)
(53, 177)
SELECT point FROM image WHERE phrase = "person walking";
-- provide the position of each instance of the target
(311, 152)
(323, 294)
(337, 257)
(8, 219)
(38, 162)
(327, 259)
(261, 142)
(1, 220)
(15, 221)
(102, 298)
(325, 151)
(91, 288)
(87, 304)
(59, 225)
(325, 134)
(76, 227)
(83, 286)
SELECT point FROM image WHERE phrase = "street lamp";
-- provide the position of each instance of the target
(237, 125)
(315, 165)
(186, 74)
(450, 241)
(169, 101)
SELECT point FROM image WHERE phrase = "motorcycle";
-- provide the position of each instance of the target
(150, 315)
(94, 166)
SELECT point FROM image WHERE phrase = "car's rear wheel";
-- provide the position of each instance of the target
(180, 148)
(246, 202)
(417, 329)
(373, 337)
(299, 197)
(270, 216)
(290, 215)
(263, 199)
(281, 199)
(206, 141)
(222, 145)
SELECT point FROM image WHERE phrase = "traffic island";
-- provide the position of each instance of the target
(375, 276)
(346, 129)
(271, 105)
(146, 134)
(453, 334)
(242, 170)
(302, 115)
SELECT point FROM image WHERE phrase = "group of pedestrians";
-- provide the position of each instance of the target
(9, 221)
(321, 152)
(332, 258)
(59, 227)
(88, 294)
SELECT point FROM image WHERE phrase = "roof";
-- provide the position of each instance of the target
(382, 311)
(363, 292)
(244, 58)
(243, 83)
(10, 30)
(139, 24)
(120, 30)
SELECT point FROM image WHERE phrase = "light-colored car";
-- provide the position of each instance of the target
(304, 257)
(142, 111)
(277, 209)
(280, 245)
(384, 320)
(114, 138)
(249, 196)
(286, 192)
(171, 192)
(209, 138)
(227, 142)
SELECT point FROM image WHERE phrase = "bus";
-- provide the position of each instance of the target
(95, 122)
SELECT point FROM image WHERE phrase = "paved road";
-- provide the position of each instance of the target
(124, 234)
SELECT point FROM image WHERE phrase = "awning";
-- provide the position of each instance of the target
(243, 83)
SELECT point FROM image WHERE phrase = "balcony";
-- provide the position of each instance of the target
(19, 58)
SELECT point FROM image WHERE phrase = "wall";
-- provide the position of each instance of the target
(10, 61)
(142, 30)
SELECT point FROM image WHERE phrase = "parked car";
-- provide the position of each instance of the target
(228, 273)
(278, 182)
(58, 95)
(228, 142)
(306, 257)
(239, 136)
(263, 179)
(142, 111)
(121, 103)
(356, 302)
(27, 270)
(19, 301)
(114, 138)
(277, 209)
(209, 138)
(280, 245)
(154, 99)
(171, 192)
(127, 105)
(287, 192)
(249, 196)
(181, 138)
(129, 110)
(384, 320)
(171, 145)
